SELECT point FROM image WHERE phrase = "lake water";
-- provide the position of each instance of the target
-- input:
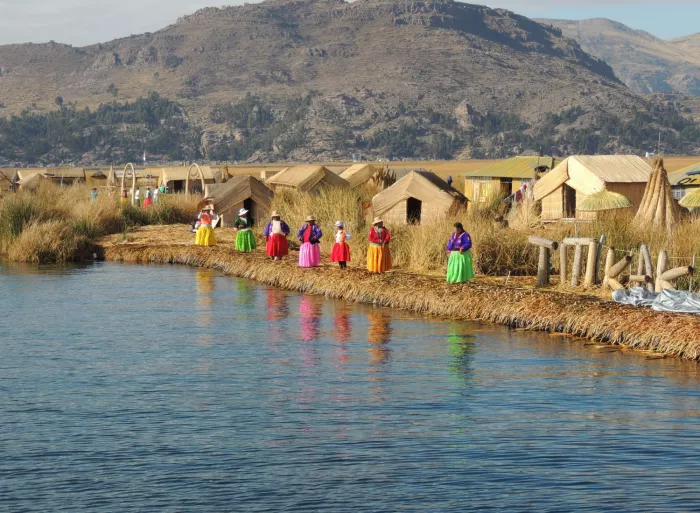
(137, 388)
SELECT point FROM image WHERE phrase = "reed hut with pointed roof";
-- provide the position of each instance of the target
(420, 197)
(306, 178)
(240, 192)
(577, 177)
(358, 174)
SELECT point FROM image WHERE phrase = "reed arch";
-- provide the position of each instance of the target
(133, 180)
(198, 173)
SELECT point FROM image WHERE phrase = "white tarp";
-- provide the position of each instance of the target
(677, 301)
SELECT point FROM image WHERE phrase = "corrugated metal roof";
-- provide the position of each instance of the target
(682, 176)
(516, 167)
(616, 168)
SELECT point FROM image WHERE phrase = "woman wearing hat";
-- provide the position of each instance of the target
(205, 233)
(276, 234)
(245, 240)
(310, 237)
(378, 254)
(341, 250)
(459, 267)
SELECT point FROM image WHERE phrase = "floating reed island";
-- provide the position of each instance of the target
(551, 310)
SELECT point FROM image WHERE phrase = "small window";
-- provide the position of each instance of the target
(678, 192)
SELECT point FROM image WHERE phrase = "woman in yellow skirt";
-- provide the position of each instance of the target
(378, 254)
(205, 232)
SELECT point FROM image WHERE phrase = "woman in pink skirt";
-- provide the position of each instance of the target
(310, 237)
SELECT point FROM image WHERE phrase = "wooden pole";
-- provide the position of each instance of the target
(609, 261)
(576, 270)
(546, 243)
(563, 262)
(578, 241)
(661, 266)
(543, 267)
(599, 254)
(591, 265)
(620, 266)
(674, 274)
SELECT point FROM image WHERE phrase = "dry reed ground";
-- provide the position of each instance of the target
(516, 306)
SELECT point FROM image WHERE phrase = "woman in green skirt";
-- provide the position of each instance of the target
(459, 268)
(245, 240)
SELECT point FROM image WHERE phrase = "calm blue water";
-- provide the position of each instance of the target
(134, 388)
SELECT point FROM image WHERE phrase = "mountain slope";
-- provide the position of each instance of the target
(388, 78)
(644, 62)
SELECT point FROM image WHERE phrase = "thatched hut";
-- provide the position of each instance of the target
(9, 179)
(577, 177)
(59, 175)
(29, 180)
(503, 178)
(306, 178)
(603, 201)
(418, 197)
(266, 174)
(358, 174)
(685, 181)
(240, 192)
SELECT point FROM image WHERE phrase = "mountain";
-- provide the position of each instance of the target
(321, 79)
(644, 62)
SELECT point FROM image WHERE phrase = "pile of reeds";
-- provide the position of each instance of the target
(576, 315)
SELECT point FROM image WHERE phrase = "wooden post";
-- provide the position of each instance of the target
(599, 254)
(609, 261)
(661, 266)
(591, 265)
(620, 266)
(576, 269)
(648, 266)
(563, 262)
(543, 267)
(544, 264)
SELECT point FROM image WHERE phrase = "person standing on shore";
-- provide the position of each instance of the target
(310, 237)
(459, 267)
(341, 250)
(93, 194)
(378, 253)
(205, 233)
(125, 197)
(148, 200)
(245, 239)
(137, 197)
(276, 233)
(156, 193)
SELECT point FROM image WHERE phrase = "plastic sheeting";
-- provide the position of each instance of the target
(677, 301)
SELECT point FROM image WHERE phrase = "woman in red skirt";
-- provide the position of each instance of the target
(341, 250)
(276, 234)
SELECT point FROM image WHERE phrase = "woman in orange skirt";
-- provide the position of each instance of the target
(378, 254)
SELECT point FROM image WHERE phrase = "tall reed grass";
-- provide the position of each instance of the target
(56, 224)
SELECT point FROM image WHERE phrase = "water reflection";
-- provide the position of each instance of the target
(379, 336)
(342, 333)
(277, 304)
(310, 319)
(245, 298)
(205, 305)
(461, 351)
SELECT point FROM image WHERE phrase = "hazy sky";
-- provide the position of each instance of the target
(82, 22)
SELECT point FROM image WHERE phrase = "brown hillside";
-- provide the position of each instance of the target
(644, 62)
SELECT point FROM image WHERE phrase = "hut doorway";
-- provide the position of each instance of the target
(249, 205)
(178, 185)
(569, 201)
(414, 209)
(506, 187)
